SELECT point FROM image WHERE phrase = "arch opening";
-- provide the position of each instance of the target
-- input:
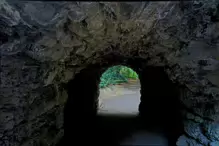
(119, 91)
(159, 107)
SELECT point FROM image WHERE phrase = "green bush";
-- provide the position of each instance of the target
(128, 73)
(116, 75)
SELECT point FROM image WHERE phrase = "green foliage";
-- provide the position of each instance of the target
(128, 73)
(116, 75)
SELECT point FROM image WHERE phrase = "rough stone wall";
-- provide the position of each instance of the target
(43, 45)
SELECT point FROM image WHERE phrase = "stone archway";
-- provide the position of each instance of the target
(45, 45)
(160, 103)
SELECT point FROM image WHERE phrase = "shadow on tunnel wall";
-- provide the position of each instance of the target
(159, 110)
(160, 105)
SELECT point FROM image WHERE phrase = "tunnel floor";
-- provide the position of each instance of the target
(120, 130)
(118, 120)
(130, 130)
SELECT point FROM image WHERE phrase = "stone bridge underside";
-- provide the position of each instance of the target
(48, 47)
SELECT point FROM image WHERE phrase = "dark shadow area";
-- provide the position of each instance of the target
(159, 110)
(160, 102)
(113, 129)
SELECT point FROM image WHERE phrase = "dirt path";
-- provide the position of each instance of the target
(133, 86)
(123, 100)
(123, 104)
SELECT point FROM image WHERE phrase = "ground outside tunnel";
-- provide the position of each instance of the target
(159, 113)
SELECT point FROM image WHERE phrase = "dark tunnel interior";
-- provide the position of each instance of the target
(159, 110)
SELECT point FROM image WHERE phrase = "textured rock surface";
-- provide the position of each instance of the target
(43, 45)
(214, 143)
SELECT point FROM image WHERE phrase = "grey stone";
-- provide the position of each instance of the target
(194, 130)
(191, 116)
(185, 141)
(215, 143)
(212, 131)
(44, 45)
(182, 141)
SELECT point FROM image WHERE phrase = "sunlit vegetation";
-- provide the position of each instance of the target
(117, 75)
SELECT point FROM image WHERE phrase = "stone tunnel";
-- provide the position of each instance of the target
(159, 98)
(53, 54)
